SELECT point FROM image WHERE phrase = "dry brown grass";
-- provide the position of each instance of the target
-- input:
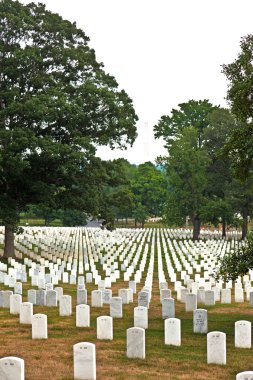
(53, 358)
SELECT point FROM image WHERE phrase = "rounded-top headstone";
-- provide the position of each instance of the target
(12, 368)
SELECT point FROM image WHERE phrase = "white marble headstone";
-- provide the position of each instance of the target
(172, 331)
(216, 347)
(105, 327)
(39, 326)
(136, 343)
(12, 368)
(84, 361)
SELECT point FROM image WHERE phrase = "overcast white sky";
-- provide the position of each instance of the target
(162, 52)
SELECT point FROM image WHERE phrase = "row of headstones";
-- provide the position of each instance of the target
(13, 368)
(64, 278)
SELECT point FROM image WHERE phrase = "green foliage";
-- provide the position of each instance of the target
(56, 105)
(149, 186)
(186, 171)
(140, 214)
(191, 114)
(237, 262)
(240, 96)
(217, 211)
(73, 218)
(239, 73)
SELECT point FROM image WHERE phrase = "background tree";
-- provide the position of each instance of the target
(56, 105)
(149, 186)
(218, 208)
(186, 169)
(191, 114)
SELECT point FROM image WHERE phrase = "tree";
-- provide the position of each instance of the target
(183, 133)
(140, 214)
(186, 169)
(149, 186)
(236, 263)
(74, 218)
(240, 89)
(56, 105)
(191, 114)
(240, 97)
(219, 177)
(217, 211)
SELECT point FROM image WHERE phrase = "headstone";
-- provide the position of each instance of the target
(251, 299)
(39, 326)
(165, 293)
(1, 298)
(12, 368)
(80, 280)
(216, 348)
(41, 297)
(83, 316)
(200, 324)
(217, 293)
(6, 298)
(84, 361)
(31, 296)
(15, 302)
(26, 313)
(201, 296)
(132, 285)
(247, 375)
(106, 295)
(225, 295)
(72, 279)
(88, 278)
(59, 291)
(239, 295)
(143, 299)
(190, 302)
(243, 334)
(65, 306)
(116, 307)
(168, 308)
(209, 298)
(172, 331)
(163, 285)
(124, 294)
(136, 343)
(183, 293)
(49, 286)
(18, 288)
(96, 298)
(105, 327)
(51, 298)
(141, 317)
(81, 296)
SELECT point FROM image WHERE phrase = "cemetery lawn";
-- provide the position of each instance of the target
(53, 358)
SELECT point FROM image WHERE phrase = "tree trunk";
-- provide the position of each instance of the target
(196, 227)
(244, 223)
(9, 242)
(224, 229)
(135, 223)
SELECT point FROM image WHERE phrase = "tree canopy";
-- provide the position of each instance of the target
(56, 105)
(240, 96)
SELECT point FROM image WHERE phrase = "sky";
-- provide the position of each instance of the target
(162, 53)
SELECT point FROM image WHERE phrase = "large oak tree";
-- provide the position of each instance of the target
(56, 105)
